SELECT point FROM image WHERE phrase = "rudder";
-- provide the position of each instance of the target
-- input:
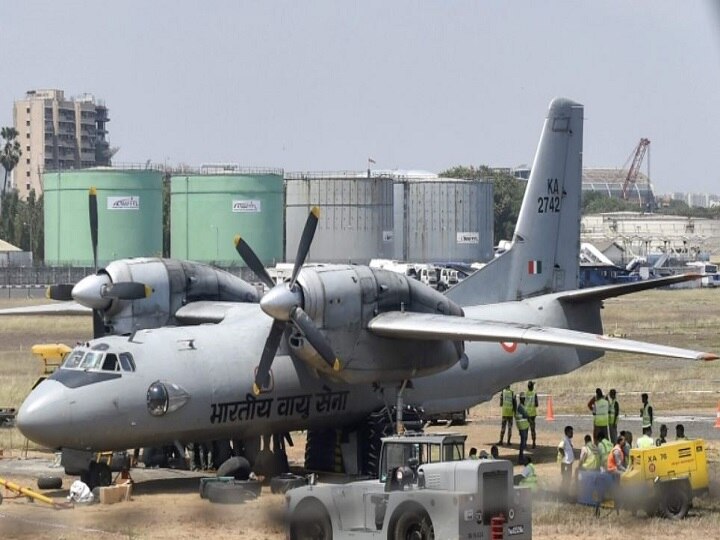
(544, 254)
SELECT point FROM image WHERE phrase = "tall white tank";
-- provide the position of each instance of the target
(443, 219)
(356, 215)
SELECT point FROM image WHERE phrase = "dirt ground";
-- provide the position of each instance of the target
(167, 505)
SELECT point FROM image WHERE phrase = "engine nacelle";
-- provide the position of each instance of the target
(341, 300)
(174, 284)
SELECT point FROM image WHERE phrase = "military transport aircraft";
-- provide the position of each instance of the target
(336, 343)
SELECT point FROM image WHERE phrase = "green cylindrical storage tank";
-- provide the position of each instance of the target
(129, 215)
(208, 210)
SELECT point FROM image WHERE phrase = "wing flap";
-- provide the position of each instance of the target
(427, 326)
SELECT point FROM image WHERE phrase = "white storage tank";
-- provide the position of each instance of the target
(356, 215)
(442, 219)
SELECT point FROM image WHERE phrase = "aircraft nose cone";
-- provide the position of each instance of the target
(89, 291)
(44, 415)
(280, 300)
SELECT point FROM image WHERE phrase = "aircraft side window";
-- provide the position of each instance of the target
(74, 359)
(110, 363)
(127, 362)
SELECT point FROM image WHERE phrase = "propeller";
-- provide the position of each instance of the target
(93, 211)
(284, 303)
(97, 291)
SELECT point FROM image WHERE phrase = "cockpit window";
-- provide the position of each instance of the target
(127, 362)
(111, 363)
(74, 359)
(92, 360)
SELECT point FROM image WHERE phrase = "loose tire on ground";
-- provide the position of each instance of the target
(310, 521)
(232, 492)
(414, 524)
(674, 503)
(49, 482)
(237, 466)
(286, 482)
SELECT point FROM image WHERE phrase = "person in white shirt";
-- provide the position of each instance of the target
(566, 457)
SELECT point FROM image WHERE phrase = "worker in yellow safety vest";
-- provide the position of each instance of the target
(645, 440)
(531, 405)
(604, 449)
(600, 408)
(613, 414)
(507, 410)
(646, 413)
(589, 456)
(528, 475)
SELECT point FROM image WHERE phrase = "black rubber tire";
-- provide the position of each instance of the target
(310, 521)
(231, 492)
(320, 450)
(237, 466)
(414, 524)
(286, 482)
(674, 503)
(49, 482)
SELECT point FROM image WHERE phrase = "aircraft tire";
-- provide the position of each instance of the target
(49, 482)
(239, 467)
(285, 482)
(320, 450)
(232, 492)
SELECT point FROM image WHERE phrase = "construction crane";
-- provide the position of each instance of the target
(634, 169)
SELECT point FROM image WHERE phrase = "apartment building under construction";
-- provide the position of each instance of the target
(56, 133)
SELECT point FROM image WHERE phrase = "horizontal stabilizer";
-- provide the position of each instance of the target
(406, 325)
(611, 291)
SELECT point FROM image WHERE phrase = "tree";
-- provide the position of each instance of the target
(508, 192)
(10, 153)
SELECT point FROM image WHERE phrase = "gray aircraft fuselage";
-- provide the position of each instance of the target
(213, 365)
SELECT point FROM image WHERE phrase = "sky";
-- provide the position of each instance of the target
(324, 85)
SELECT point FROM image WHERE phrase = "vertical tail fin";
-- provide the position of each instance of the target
(544, 254)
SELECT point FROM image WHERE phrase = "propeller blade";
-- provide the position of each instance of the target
(127, 290)
(61, 291)
(315, 337)
(93, 209)
(98, 324)
(254, 264)
(305, 242)
(262, 377)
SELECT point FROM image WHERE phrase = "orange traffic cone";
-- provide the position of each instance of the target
(717, 416)
(550, 414)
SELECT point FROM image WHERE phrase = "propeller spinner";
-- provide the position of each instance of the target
(97, 291)
(284, 303)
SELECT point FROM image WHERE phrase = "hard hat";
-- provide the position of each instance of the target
(522, 395)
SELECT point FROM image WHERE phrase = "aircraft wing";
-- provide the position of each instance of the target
(428, 326)
(60, 308)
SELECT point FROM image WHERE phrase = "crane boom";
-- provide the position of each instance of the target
(634, 169)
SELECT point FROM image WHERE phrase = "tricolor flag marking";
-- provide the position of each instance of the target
(534, 267)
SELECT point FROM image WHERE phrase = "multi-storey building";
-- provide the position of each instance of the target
(57, 134)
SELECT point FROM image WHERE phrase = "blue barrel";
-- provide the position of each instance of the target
(594, 487)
